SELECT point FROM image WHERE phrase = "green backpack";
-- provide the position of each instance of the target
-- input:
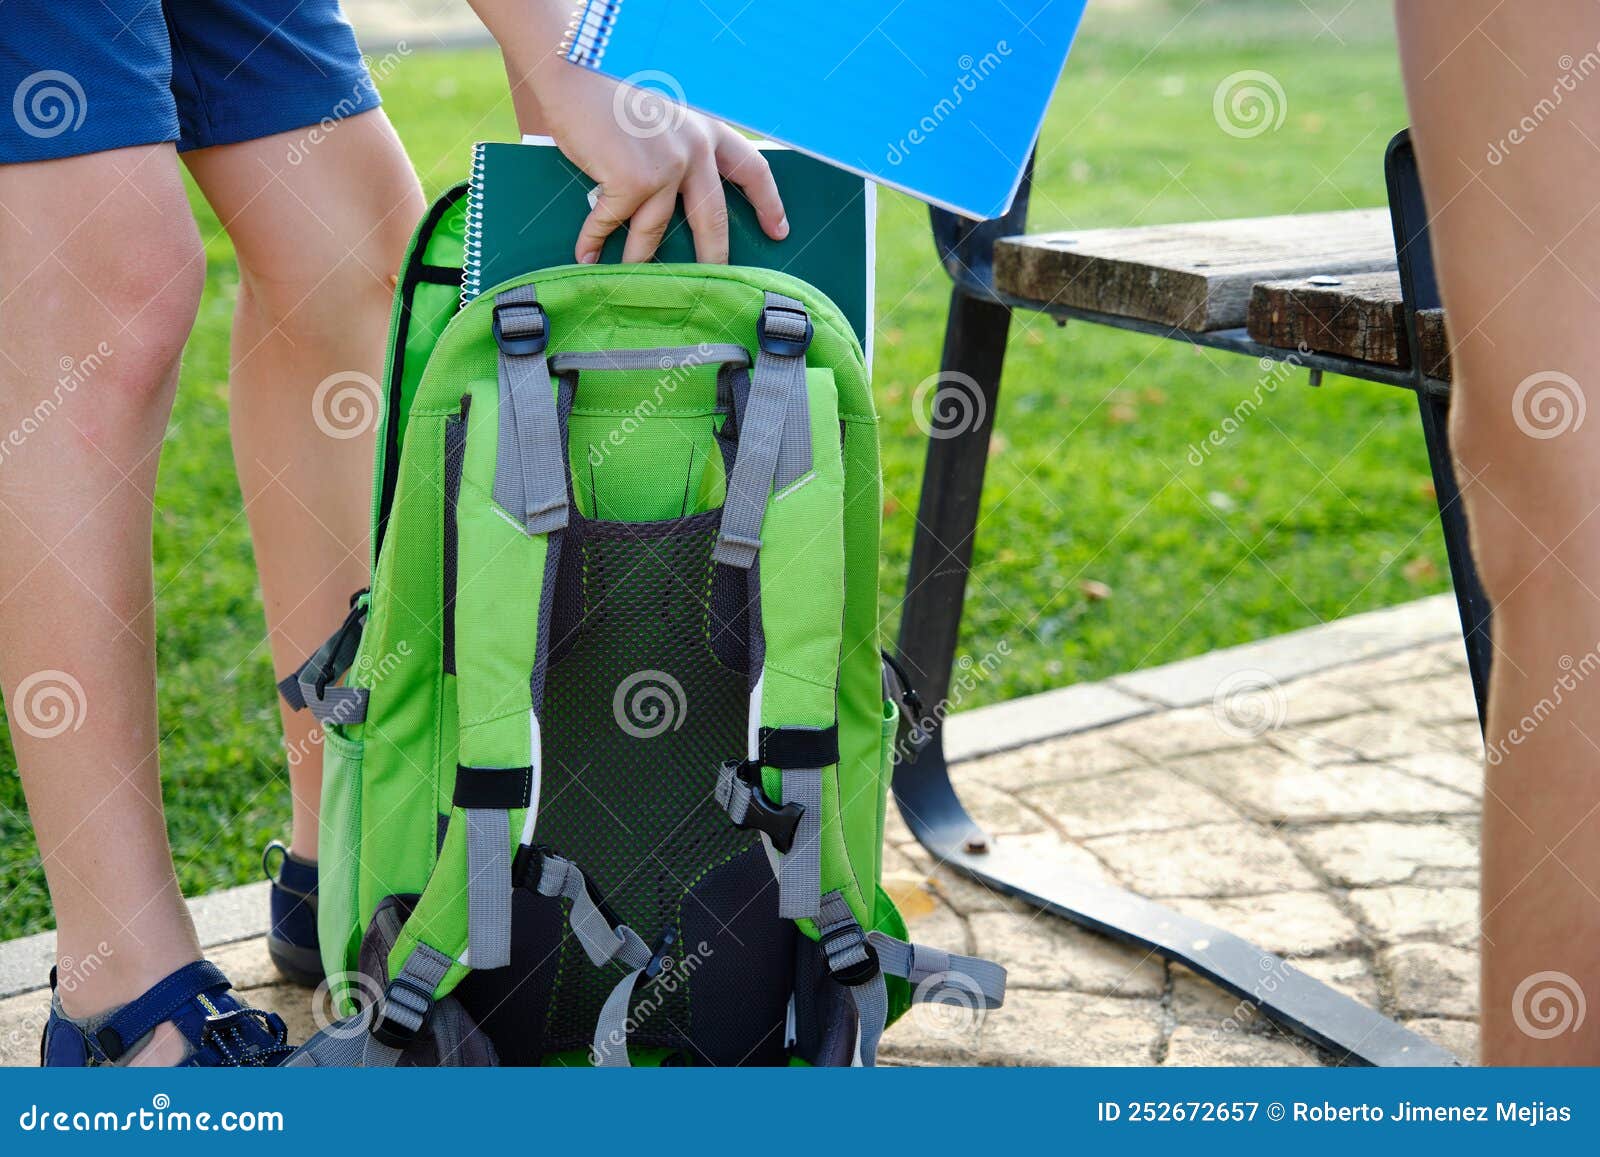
(607, 743)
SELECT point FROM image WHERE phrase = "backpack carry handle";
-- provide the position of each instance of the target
(663, 358)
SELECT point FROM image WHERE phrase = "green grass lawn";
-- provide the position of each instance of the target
(1319, 507)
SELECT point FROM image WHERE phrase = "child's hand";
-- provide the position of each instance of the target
(643, 152)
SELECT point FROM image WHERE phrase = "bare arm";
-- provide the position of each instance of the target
(642, 151)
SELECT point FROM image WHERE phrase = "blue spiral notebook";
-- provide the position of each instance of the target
(942, 99)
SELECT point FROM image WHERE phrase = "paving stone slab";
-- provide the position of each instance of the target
(1054, 761)
(1445, 698)
(1304, 923)
(1400, 913)
(1077, 1030)
(1386, 852)
(1140, 800)
(1372, 736)
(1432, 979)
(1458, 1036)
(1018, 722)
(1450, 769)
(1223, 1048)
(1211, 860)
(1279, 788)
(1286, 657)
(1044, 951)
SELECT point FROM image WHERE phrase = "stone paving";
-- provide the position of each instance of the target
(1330, 818)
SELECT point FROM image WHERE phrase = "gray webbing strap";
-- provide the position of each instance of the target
(332, 704)
(732, 793)
(601, 943)
(342, 1045)
(845, 947)
(406, 1001)
(530, 470)
(770, 452)
(658, 358)
(938, 976)
(800, 868)
(488, 887)
(611, 1028)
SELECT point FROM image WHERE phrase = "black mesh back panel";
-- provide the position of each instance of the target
(639, 710)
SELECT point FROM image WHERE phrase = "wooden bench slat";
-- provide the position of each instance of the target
(1195, 276)
(1358, 315)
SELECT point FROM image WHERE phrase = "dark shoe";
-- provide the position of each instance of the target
(292, 940)
(222, 1033)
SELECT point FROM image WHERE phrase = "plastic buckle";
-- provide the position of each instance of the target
(520, 344)
(661, 959)
(386, 1031)
(783, 346)
(778, 822)
(854, 974)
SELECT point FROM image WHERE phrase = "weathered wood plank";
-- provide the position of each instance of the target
(1195, 276)
(1435, 343)
(1353, 315)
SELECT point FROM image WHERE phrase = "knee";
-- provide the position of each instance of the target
(1524, 463)
(332, 290)
(150, 297)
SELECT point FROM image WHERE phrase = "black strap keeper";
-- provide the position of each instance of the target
(516, 338)
(493, 787)
(799, 748)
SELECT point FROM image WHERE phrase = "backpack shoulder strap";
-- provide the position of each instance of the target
(511, 517)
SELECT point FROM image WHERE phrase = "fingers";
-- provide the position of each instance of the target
(706, 206)
(649, 224)
(608, 213)
(742, 163)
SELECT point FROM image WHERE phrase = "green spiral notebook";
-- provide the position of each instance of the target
(526, 203)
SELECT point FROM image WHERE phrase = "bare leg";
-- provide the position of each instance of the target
(317, 243)
(1517, 236)
(104, 275)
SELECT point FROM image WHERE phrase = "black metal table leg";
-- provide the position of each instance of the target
(974, 354)
(1419, 289)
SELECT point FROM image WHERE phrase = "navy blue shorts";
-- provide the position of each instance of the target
(82, 76)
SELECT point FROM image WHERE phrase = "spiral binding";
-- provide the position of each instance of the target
(589, 31)
(472, 231)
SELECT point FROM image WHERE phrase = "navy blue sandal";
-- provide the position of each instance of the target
(221, 1032)
(292, 939)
